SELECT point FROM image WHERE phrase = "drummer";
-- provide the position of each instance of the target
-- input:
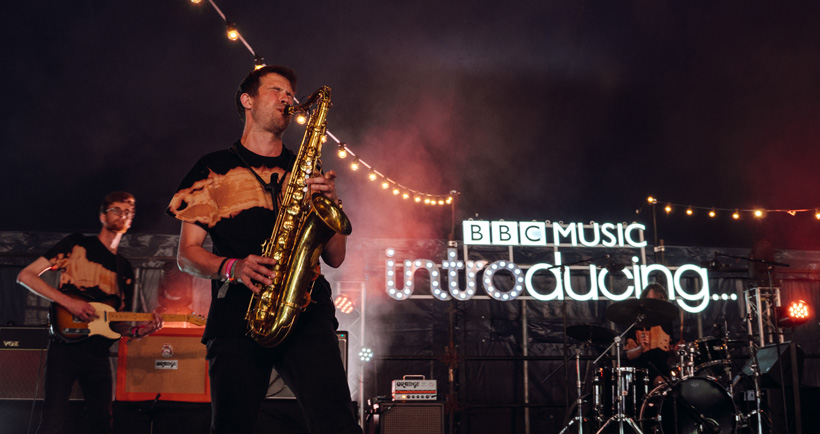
(650, 348)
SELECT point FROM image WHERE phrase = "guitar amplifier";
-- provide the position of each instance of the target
(23, 359)
(170, 362)
(405, 418)
(414, 388)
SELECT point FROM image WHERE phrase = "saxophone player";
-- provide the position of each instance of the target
(233, 196)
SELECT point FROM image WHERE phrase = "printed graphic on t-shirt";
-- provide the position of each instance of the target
(220, 196)
(83, 274)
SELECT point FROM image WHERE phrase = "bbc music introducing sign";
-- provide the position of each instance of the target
(542, 234)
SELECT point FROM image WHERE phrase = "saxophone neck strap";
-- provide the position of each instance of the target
(273, 187)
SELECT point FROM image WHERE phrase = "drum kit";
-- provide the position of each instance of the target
(694, 397)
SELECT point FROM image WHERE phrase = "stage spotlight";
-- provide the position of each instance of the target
(344, 304)
(365, 354)
(793, 314)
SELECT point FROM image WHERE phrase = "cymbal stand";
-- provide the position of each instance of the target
(620, 417)
(579, 419)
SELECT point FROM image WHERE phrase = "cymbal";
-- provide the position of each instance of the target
(656, 312)
(593, 333)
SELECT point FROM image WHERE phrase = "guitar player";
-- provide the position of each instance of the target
(91, 270)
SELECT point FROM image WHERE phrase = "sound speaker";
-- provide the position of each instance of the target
(23, 360)
(771, 361)
(169, 363)
(277, 388)
(406, 418)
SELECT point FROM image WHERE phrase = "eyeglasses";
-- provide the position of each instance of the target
(129, 213)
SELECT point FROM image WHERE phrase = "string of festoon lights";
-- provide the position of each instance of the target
(343, 151)
(735, 213)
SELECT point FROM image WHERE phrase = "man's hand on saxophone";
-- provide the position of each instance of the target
(253, 269)
(325, 184)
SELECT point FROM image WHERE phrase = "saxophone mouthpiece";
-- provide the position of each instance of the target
(288, 110)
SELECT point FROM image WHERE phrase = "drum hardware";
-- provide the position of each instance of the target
(579, 420)
(646, 312)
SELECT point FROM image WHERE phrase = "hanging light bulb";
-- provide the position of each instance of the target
(342, 152)
(396, 191)
(668, 208)
(385, 184)
(760, 213)
(736, 215)
(817, 214)
(355, 164)
(405, 195)
(231, 32)
(301, 118)
(417, 199)
(652, 200)
(712, 212)
(258, 62)
(372, 175)
(196, 2)
(689, 211)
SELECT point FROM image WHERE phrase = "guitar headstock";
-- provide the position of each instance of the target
(196, 319)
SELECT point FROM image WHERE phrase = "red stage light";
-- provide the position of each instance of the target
(793, 314)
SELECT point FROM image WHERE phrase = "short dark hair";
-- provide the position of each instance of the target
(657, 287)
(250, 84)
(117, 196)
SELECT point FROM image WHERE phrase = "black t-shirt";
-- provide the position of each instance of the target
(90, 269)
(222, 195)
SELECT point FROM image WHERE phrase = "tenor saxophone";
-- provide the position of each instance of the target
(304, 224)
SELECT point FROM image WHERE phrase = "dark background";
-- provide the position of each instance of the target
(545, 110)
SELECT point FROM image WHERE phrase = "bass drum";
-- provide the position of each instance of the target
(676, 410)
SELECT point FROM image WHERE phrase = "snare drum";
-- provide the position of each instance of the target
(634, 387)
(676, 409)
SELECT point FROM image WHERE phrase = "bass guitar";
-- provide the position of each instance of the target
(69, 328)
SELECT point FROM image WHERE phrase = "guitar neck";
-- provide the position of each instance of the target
(136, 316)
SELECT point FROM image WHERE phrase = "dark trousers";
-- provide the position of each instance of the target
(310, 364)
(86, 362)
